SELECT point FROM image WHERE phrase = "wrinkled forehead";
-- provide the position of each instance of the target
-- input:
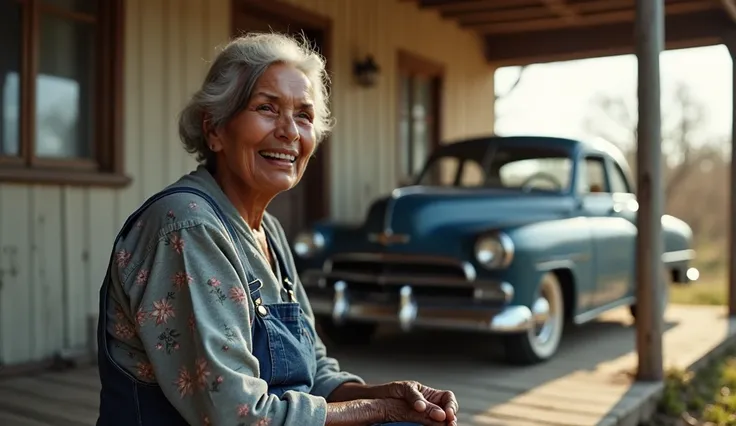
(283, 82)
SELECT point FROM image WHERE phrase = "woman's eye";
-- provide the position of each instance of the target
(305, 116)
(265, 108)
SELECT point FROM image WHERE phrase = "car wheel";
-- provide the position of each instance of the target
(665, 296)
(541, 341)
(349, 333)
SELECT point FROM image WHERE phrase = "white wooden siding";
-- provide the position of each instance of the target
(55, 241)
(364, 149)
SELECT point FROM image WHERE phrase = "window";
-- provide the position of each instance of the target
(544, 173)
(420, 84)
(60, 91)
(618, 180)
(454, 171)
(592, 177)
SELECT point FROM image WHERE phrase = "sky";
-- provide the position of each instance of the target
(553, 99)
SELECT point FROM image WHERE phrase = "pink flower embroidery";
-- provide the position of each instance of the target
(201, 372)
(170, 214)
(237, 294)
(140, 316)
(162, 311)
(184, 383)
(192, 205)
(142, 277)
(122, 258)
(191, 323)
(181, 279)
(145, 371)
(124, 331)
(177, 243)
(213, 282)
(263, 422)
(243, 410)
(139, 224)
(119, 314)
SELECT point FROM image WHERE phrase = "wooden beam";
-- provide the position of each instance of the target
(697, 29)
(454, 7)
(729, 39)
(563, 9)
(650, 282)
(540, 11)
(588, 20)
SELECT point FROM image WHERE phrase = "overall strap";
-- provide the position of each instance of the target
(288, 293)
(250, 275)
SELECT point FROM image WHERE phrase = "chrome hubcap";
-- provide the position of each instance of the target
(547, 317)
(542, 319)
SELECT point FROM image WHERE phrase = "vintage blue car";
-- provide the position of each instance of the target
(516, 236)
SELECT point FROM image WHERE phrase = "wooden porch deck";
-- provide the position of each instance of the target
(588, 383)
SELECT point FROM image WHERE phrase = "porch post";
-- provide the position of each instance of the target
(649, 39)
(729, 40)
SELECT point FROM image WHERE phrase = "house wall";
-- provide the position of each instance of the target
(364, 150)
(55, 241)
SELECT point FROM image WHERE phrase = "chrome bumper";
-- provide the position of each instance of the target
(409, 310)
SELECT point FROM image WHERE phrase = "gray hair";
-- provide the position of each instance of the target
(227, 88)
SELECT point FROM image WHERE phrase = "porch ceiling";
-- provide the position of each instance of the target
(518, 32)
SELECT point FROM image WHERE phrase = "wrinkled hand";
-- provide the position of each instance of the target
(439, 405)
(397, 410)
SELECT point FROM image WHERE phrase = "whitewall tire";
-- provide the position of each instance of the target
(541, 341)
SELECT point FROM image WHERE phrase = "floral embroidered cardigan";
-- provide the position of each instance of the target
(179, 314)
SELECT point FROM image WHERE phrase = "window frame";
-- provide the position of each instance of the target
(105, 166)
(412, 67)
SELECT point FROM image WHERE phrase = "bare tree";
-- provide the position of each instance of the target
(513, 86)
(615, 119)
(499, 97)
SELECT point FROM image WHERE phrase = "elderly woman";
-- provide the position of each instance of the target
(203, 320)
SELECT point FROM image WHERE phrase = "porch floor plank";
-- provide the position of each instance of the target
(588, 383)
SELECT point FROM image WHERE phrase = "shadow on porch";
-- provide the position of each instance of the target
(588, 383)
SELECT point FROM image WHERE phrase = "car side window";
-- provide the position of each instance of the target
(618, 181)
(443, 172)
(472, 175)
(592, 176)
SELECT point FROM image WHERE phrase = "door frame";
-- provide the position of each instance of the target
(318, 189)
(410, 63)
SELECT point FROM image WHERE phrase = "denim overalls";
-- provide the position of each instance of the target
(287, 360)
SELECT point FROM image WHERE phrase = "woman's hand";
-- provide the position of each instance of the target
(368, 412)
(439, 405)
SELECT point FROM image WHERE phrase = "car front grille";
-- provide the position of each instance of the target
(369, 273)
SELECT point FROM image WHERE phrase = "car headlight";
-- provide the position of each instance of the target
(307, 244)
(494, 251)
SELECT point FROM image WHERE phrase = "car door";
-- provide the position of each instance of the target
(625, 207)
(612, 234)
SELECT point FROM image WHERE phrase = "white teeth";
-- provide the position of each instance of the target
(278, 156)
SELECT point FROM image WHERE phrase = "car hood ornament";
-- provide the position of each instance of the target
(388, 238)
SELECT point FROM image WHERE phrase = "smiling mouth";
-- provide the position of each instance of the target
(277, 156)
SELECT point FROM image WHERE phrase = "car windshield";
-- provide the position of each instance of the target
(513, 167)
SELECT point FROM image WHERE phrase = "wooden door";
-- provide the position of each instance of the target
(420, 86)
(297, 208)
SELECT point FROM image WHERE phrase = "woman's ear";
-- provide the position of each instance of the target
(211, 134)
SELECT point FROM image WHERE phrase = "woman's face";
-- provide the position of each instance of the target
(267, 145)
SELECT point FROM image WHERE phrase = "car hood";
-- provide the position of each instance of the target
(430, 219)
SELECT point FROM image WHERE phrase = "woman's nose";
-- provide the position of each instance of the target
(287, 129)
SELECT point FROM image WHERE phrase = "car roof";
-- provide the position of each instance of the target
(566, 144)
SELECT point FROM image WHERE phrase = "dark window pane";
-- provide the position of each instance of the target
(10, 58)
(64, 89)
(83, 6)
